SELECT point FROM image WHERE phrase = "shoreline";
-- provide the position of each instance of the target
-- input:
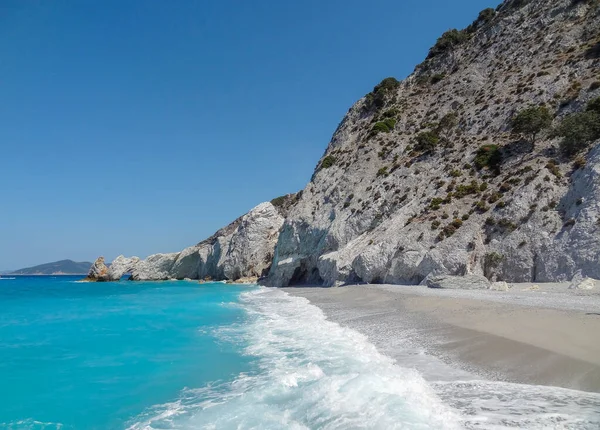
(544, 336)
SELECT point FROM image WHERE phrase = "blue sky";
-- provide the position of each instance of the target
(138, 127)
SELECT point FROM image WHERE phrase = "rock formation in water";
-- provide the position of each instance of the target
(485, 161)
(98, 271)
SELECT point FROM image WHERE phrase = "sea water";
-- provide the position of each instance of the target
(184, 355)
(95, 355)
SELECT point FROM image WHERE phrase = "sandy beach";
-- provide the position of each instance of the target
(543, 336)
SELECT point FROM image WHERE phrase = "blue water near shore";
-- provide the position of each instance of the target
(184, 355)
(95, 355)
(188, 355)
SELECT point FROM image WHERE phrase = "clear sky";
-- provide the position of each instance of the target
(142, 126)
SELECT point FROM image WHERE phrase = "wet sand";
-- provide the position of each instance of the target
(548, 336)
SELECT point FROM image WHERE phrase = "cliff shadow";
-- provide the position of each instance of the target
(593, 52)
(305, 277)
(516, 149)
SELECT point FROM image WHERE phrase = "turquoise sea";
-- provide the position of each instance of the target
(84, 355)
(184, 355)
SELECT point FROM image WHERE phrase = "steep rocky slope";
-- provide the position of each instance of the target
(429, 175)
(398, 194)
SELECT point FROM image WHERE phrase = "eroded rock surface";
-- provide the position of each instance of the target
(467, 282)
(243, 249)
(98, 272)
(378, 209)
(579, 282)
(121, 266)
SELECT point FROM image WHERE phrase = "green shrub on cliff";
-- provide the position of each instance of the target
(593, 106)
(450, 229)
(484, 17)
(463, 190)
(390, 113)
(387, 85)
(488, 156)
(580, 129)
(531, 121)
(279, 201)
(448, 41)
(448, 122)
(438, 77)
(435, 203)
(327, 162)
(457, 223)
(492, 261)
(426, 141)
(384, 126)
(382, 92)
(383, 172)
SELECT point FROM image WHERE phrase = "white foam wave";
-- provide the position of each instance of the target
(31, 424)
(315, 374)
(311, 373)
(501, 405)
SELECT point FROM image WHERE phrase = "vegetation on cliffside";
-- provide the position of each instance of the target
(486, 149)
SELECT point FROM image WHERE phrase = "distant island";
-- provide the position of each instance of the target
(62, 267)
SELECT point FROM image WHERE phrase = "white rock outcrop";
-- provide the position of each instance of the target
(243, 249)
(156, 267)
(186, 264)
(121, 266)
(500, 286)
(587, 284)
(98, 272)
(467, 282)
(250, 248)
(579, 282)
(379, 211)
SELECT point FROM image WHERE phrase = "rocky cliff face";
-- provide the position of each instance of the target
(429, 177)
(243, 249)
(403, 189)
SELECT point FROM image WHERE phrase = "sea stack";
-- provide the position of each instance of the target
(98, 272)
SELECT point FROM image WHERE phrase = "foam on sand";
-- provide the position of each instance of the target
(314, 373)
(311, 373)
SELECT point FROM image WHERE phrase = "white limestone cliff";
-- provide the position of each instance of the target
(379, 210)
(243, 249)
(370, 213)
